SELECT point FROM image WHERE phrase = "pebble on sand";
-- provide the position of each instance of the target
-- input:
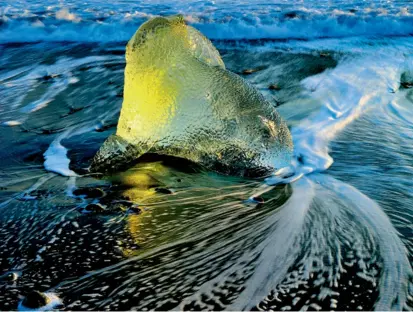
(274, 86)
(250, 71)
(89, 192)
(95, 208)
(36, 300)
(258, 200)
(163, 190)
(10, 277)
(134, 209)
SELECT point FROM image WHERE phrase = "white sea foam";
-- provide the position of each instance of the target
(278, 249)
(346, 92)
(118, 21)
(56, 160)
(18, 81)
(64, 14)
(356, 85)
(397, 269)
(12, 123)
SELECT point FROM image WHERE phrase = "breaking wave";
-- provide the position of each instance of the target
(27, 22)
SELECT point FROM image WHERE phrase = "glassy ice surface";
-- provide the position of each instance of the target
(179, 100)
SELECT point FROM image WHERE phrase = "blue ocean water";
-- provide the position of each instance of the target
(338, 236)
(111, 21)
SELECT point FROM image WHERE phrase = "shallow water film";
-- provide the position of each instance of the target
(169, 235)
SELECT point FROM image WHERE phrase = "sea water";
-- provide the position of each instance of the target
(338, 237)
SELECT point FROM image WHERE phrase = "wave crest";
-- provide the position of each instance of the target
(114, 24)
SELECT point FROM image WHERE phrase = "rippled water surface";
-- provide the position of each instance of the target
(174, 236)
